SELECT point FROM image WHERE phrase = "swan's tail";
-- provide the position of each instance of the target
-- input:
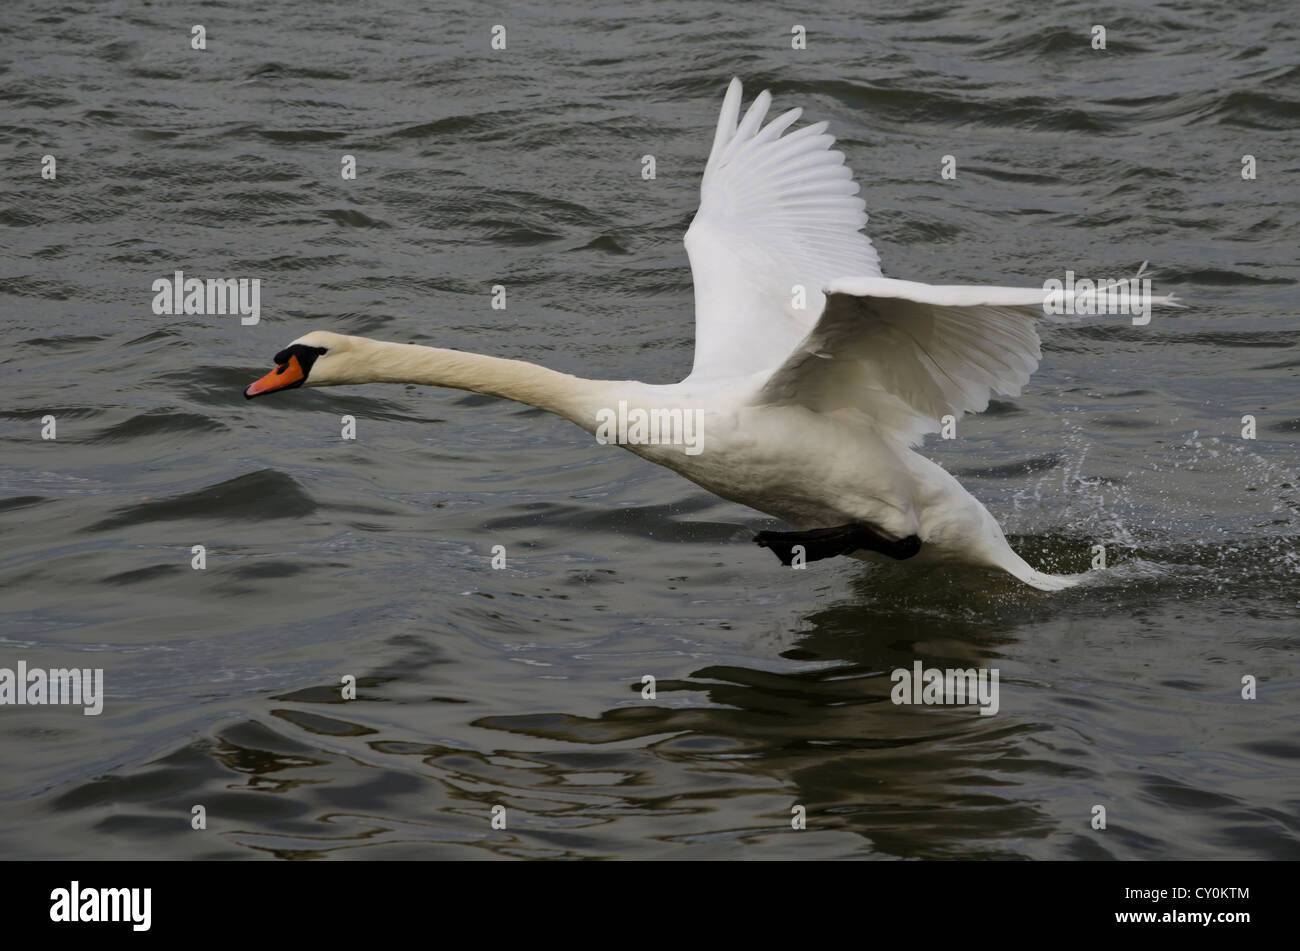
(1045, 582)
(1013, 564)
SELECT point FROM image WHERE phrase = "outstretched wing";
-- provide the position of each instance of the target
(909, 354)
(776, 210)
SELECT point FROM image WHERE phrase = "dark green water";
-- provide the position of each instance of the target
(521, 687)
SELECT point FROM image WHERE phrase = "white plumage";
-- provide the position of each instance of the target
(776, 211)
(809, 413)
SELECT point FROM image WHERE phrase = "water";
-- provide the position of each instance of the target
(521, 687)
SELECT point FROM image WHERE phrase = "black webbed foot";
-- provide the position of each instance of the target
(822, 543)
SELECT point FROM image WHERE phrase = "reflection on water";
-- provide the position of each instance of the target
(713, 765)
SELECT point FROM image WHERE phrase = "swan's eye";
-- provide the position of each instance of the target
(306, 355)
(292, 365)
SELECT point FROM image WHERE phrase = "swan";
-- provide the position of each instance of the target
(814, 378)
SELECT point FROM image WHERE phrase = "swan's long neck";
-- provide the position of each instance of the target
(375, 361)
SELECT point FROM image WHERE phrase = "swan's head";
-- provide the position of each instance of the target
(319, 358)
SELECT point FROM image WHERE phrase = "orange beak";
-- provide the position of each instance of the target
(281, 378)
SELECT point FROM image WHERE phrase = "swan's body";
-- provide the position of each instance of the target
(808, 414)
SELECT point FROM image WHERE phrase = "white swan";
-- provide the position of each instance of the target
(808, 414)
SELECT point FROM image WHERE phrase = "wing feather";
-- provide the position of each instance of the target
(909, 354)
(777, 209)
